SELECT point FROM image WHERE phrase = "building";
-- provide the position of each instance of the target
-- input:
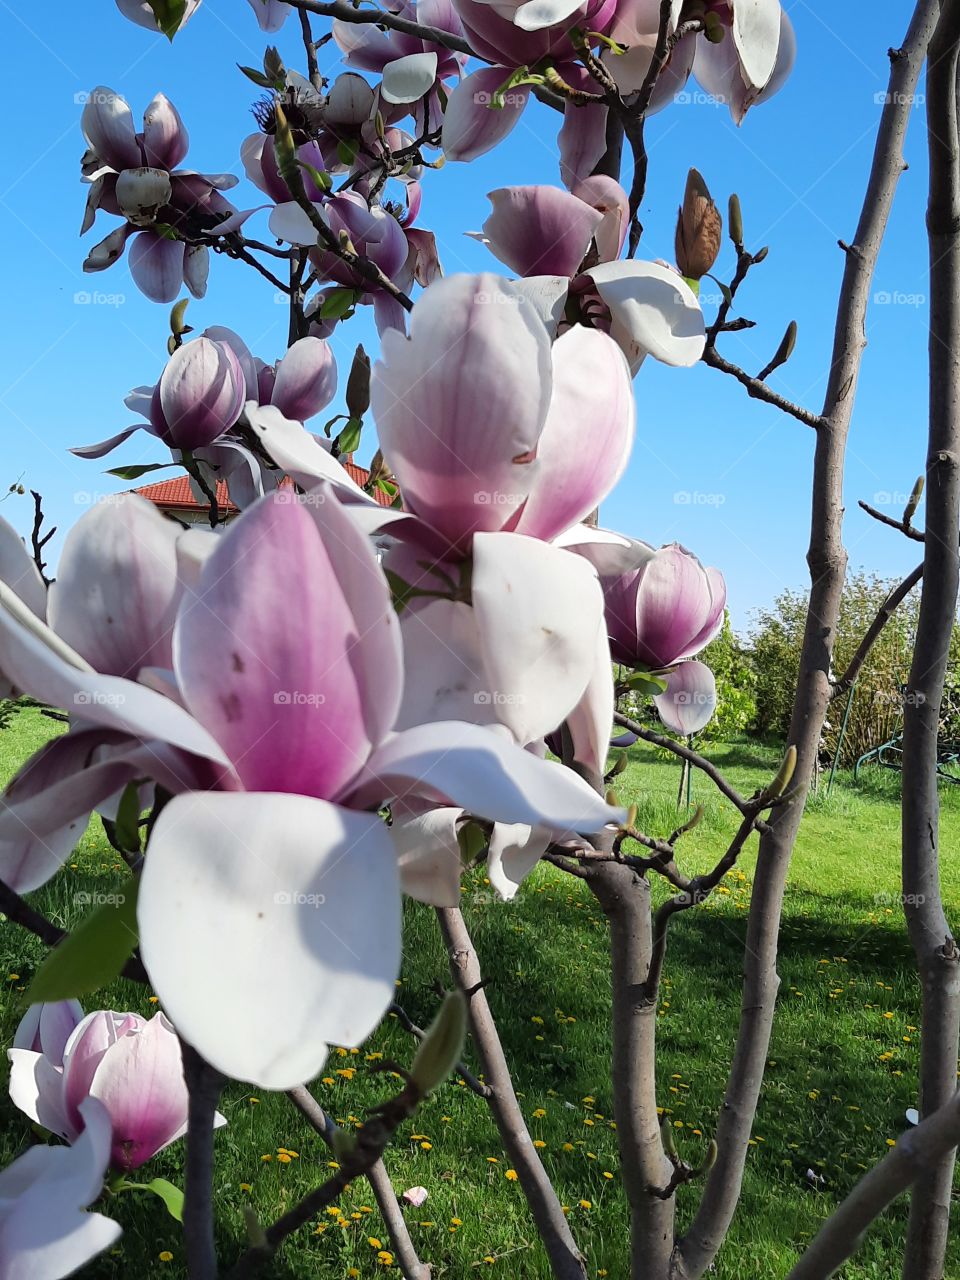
(176, 498)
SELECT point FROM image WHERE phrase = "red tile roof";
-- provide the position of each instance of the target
(176, 494)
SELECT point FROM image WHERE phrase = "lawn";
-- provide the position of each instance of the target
(842, 1065)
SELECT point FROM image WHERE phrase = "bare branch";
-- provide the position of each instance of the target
(759, 390)
(884, 614)
(900, 525)
(346, 12)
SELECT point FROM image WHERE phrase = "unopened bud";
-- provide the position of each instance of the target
(735, 221)
(177, 326)
(761, 254)
(358, 384)
(699, 229)
(441, 1047)
(784, 775)
(285, 149)
(713, 27)
(619, 765)
(913, 501)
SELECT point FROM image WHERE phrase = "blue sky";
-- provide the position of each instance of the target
(725, 475)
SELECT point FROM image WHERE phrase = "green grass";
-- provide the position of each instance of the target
(841, 1074)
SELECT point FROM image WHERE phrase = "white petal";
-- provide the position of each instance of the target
(537, 14)
(289, 222)
(480, 770)
(408, 79)
(654, 312)
(538, 609)
(548, 295)
(756, 35)
(444, 673)
(515, 849)
(19, 571)
(428, 855)
(308, 897)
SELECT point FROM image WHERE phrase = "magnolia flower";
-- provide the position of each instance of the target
(687, 704)
(410, 66)
(45, 1231)
(141, 12)
(132, 1066)
(135, 175)
(278, 745)
(565, 245)
(487, 427)
(666, 608)
(46, 1028)
(204, 388)
(742, 57)
(271, 14)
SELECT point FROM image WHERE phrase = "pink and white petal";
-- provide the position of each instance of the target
(444, 677)
(587, 437)
(19, 571)
(591, 720)
(105, 446)
(248, 363)
(611, 201)
(654, 312)
(515, 849)
(57, 1018)
(428, 855)
(540, 230)
(156, 265)
(36, 1089)
(271, 14)
(289, 222)
(116, 593)
(145, 1118)
(41, 664)
(582, 140)
(196, 269)
(756, 37)
(264, 653)
(629, 69)
(471, 127)
(325, 910)
(538, 610)
(610, 553)
(689, 701)
(409, 78)
(107, 124)
(362, 45)
(548, 297)
(482, 771)
(165, 138)
(534, 15)
(306, 379)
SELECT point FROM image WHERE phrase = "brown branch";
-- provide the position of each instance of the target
(938, 957)
(370, 1142)
(916, 1153)
(384, 18)
(900, 525)
(827, 563)
(470, 1080)
(884, 614)
(565, 1258)
(310, 48)
(758, 390)
(38, 540)
(634, 117)
(204, 1085)
(380, 1185)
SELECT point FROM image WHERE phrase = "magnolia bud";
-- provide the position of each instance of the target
(442, 1046)
(699, 228)
(358, 385)
(735, 221)
(285, 150)
(784, 775)
(913, 501)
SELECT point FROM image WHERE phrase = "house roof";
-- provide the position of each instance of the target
(176, 494)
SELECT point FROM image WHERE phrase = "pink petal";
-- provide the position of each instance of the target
(687, 704)
(540, 230)
(156, 265)
(588, 435)
(306, 379)
(471, 126)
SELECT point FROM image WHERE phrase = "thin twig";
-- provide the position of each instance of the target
(884, 614)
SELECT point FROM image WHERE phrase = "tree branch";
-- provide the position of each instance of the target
(203, 1086)
(566, 1260)
(346, 12)
(884, 614)
(916, 1152)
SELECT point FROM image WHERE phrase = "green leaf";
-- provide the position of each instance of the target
(171, 1196)
(93, 954)
(126, 829)
(337, 304)
(644, 682)
(322, 179)
(349, 437)
(169, 15)
(257, 77)
(347, 152)
(401, 591)
(135, 472)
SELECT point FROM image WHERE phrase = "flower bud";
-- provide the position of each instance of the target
(199, 395)
(358, 385)
(442, 1046)
(699, 228)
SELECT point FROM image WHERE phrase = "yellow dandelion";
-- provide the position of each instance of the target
(166, 1256)
(586, 1204)
(511, 1175)
(374, 1243)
